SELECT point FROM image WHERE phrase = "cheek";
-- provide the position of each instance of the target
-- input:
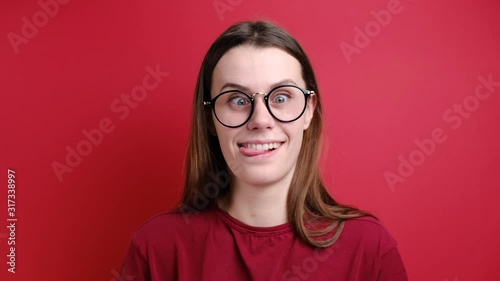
(298, 138)
(295, 133)
(226, 138)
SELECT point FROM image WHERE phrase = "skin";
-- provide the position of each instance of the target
(260, 183)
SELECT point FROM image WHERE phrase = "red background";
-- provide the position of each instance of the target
(393, 92)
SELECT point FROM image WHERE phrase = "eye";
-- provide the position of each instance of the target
(239, 100)
(281, 98)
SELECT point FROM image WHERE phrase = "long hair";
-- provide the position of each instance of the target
(207, 173)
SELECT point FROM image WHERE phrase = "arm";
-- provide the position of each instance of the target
(135, 266)
(392, 267)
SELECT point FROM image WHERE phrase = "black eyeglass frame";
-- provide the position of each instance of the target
(211, 103)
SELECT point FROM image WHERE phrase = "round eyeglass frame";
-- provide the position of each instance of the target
(307, 94)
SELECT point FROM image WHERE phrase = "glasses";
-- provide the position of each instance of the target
(233, 108)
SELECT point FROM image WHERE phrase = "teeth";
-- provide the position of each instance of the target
(265, 146)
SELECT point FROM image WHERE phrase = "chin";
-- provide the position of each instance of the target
(261, 176)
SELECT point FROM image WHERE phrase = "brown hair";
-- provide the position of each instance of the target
(308, 204)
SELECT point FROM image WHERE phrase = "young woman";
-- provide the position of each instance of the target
(254, 205)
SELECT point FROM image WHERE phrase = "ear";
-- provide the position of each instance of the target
(309, 113)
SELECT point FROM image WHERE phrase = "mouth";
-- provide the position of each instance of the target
(251, 149)
(261, 146)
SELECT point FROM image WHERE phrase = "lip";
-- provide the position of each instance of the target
(260, 141)
(252, 152)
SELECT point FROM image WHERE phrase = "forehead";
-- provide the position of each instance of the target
(255, 68)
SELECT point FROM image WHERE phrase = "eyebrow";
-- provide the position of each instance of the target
(246, 89)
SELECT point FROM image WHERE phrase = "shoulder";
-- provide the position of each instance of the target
(174, 221)
(365, 223)
(168, 228)
(369, 232)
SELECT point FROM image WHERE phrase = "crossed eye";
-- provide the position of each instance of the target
(240, 100)
(233, 108)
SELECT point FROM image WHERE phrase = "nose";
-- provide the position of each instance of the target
(261, 117)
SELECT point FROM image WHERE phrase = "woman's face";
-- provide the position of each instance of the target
(250, 150)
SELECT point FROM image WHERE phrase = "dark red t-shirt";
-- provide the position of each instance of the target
(212, 245)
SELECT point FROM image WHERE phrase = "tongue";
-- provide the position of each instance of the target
(252, 152)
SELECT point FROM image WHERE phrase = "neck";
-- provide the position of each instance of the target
(261, 206)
